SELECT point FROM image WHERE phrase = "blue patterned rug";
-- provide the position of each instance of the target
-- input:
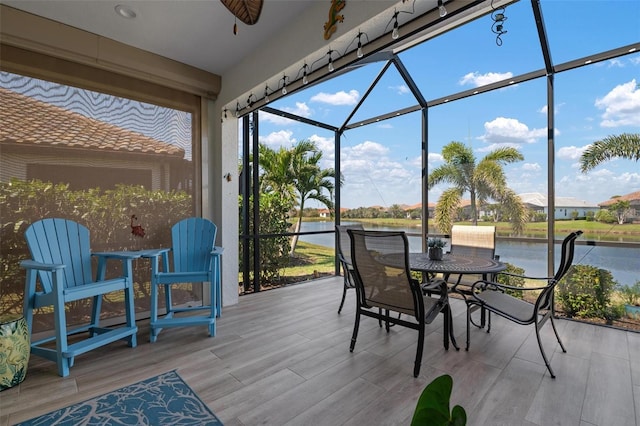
(160, 400)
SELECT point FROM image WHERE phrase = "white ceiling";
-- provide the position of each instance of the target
(195, 32)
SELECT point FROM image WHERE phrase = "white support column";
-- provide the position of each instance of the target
(221, 204)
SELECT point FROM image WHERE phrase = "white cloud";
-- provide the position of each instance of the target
(277, 139)
(571, 152)
(531, 167)
(629, 178)
(338, 98)
(543, 110)
(599, 185)
(401, 89)
(415, 161)
(328, 148)
(509, 132)
(434, 157)
(616, 62)
(600, 174)
(301, 110)
(274, 119)
(367, 148)
(476, 79)
(326, 145)
(494, 146)
(621, 106)
(372, 176)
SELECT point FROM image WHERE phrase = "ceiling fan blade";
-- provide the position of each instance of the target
(247, 11)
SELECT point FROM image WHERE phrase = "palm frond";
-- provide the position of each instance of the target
(625, 145)
(445, 211)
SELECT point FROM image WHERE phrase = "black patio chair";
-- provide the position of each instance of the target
(492, 297)
(384, 284)
(344, 255)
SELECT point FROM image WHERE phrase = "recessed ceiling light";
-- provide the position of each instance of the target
(125, 11)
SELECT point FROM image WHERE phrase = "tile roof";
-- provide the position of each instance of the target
(633, 197)
(413, 207)
(463, 203)
(26, 121)
(342, 210)
(540, 200)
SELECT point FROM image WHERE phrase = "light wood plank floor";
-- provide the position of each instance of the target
(282, 357)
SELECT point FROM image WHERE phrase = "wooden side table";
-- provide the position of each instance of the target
(14, 350)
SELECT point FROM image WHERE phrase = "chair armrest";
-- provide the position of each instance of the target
(117, 254)
(484, 285)
(436, 285)
(32, 264)
(217, 250)
(149, 253)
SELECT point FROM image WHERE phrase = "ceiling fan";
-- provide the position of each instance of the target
(247, 11)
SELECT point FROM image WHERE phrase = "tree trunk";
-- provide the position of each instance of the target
(474, 212)
(294, 240)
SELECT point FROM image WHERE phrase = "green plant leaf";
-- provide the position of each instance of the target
(458, 416)
(433, 404)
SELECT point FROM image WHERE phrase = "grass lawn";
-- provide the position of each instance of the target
(310, 260)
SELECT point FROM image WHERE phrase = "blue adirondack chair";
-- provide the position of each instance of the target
(196, 260)
(61, 263)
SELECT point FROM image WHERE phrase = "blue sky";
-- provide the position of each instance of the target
(381, 163)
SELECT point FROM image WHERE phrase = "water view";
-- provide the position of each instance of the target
(622, 262)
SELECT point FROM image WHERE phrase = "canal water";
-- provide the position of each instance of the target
(622, 262)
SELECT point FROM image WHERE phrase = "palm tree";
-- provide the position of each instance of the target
(483, 181)
(296, 175)
(626, 145)
(275, 176)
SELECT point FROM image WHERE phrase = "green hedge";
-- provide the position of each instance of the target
(513, 280)
(586, 292)
(274, 251)
(106, 213)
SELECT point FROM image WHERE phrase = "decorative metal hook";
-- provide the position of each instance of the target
(498, 18)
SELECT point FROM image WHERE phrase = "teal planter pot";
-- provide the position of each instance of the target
(14, 350)
(632, 311)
